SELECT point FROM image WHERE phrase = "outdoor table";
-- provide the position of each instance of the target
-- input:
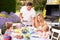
(16, 39)
(35, 36)
(30, 29)
(24, 34)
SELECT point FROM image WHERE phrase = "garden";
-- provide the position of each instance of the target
(8, 10)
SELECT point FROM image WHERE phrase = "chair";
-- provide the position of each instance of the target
(55, 34)
(0, 32)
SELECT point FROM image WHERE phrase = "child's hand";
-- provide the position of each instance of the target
(45, 35)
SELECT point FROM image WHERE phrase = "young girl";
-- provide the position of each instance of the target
(45, 33)
(42, 34)
(9, 29)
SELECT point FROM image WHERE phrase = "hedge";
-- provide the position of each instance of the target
(8, 5)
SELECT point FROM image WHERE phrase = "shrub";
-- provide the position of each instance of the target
(4, 29)
(8, 5)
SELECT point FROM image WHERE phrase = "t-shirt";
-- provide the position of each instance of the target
(27, 15)
(7, 33)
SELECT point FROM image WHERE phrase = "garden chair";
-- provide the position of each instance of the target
(55, 34)
(0, 32)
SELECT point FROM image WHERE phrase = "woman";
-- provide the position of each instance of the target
(39, 21)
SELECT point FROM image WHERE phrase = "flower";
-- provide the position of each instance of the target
(4, 12)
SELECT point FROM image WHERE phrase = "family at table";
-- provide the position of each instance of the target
(34, 27)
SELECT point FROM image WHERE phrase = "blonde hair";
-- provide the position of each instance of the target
(40, 15)
(37, 20)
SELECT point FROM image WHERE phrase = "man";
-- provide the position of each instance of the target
(27, 14)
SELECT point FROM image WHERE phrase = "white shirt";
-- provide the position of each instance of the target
(27, 15)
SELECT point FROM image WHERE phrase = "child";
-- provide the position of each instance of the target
(45, 33)
(42, 34)
(9, 29)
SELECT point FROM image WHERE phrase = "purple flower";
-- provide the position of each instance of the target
(13, 17)
(12, 13)
(1, 26)
(3, 12)
(2, 21)
(9, 20)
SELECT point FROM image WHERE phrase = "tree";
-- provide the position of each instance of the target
(39, 4)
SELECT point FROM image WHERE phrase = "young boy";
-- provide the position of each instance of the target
(9, 29)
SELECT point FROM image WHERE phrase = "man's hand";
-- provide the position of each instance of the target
(33, 21)
(21, 18)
